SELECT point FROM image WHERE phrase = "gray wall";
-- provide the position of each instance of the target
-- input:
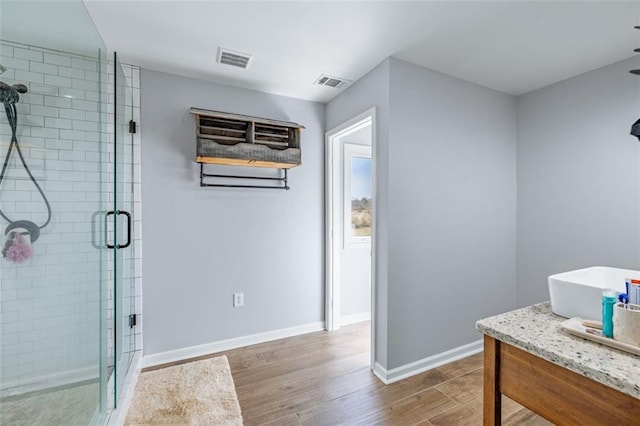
(446, 174)
(452, 200)
(370, 91)
(578, 177)
(204, 244)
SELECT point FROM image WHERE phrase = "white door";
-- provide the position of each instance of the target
(355, 232)
(349, 223)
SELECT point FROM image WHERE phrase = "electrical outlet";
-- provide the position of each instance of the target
(238, 299)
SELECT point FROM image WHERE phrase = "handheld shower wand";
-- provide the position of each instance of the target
(15, 249)
(9, 96)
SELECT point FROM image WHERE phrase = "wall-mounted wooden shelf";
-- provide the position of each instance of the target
(241, 140)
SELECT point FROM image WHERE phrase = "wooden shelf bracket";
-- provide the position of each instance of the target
(226, 139)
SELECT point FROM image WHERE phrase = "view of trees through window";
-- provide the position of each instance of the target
(361, 197)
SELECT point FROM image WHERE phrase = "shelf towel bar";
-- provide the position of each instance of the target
(203, 175)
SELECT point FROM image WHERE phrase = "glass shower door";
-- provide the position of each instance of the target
(53, 269)
(123, 247)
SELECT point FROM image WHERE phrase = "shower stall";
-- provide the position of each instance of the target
(68, 216)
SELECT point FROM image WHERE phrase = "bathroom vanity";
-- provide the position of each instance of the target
(566, 379)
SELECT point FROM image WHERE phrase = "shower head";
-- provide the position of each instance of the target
(2, 69)
(20, 88)
(10, 94)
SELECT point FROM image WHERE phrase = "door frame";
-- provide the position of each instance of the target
(332, 245)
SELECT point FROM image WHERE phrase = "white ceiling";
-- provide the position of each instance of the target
(514, 47)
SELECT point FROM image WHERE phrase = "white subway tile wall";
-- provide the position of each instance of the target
(50, 304)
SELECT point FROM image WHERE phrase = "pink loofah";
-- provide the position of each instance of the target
(19, 251)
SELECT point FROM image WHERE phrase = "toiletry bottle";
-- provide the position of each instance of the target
(609, 299)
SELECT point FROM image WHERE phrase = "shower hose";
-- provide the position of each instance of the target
(9, 96)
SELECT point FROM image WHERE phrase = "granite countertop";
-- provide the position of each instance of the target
(535, 329)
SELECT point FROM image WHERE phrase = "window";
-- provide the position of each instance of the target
(357, 195)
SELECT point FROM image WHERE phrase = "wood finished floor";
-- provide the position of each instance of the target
(324, 379)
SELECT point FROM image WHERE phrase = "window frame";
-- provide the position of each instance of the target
(351, 150)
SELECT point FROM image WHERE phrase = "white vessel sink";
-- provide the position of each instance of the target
(579, 293)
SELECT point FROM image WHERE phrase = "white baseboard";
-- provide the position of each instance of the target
(355, 318)
(63, 378)
(119, 415)
(225, 345)
(420, 366)
(380, 372)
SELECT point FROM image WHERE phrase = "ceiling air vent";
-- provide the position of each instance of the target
(233, 58)
(335, 82)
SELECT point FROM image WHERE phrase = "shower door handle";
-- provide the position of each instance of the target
(106, 228)
(128, 215)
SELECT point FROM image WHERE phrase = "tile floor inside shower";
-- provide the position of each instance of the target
(67, 405)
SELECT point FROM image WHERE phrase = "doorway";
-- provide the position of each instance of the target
(350, 224)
